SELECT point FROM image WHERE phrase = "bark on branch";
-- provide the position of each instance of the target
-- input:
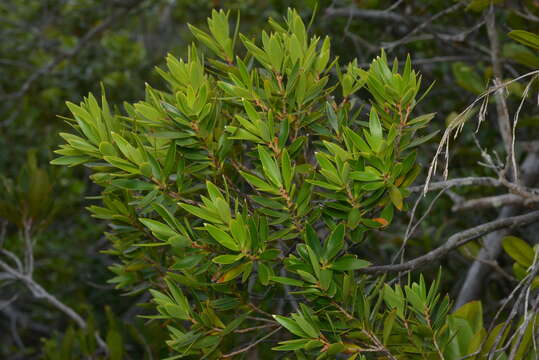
(467, 181)
(454, 242)
(365, 13)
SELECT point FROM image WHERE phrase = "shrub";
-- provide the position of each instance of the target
(240, 199)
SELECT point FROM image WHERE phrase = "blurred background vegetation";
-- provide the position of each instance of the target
(53, 51)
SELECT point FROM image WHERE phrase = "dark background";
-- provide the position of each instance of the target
(53, 51)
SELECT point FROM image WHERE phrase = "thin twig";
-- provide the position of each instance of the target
(454, 242)
(410, 230)
(501, 105)
(458, 123)
(365, 13)
(467, 181)
(492, 202)
(28, 248)
(39, 292)
(425, 23)
(250, 346)
(515, 123)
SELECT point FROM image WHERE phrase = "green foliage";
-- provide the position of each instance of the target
(27, 200)
(525, 37)
(81, 343)
(524, 256)
(249, 186)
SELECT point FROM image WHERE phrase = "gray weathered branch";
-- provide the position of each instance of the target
(454, 242)
(492, 202)
(365, 13)
(467, 181)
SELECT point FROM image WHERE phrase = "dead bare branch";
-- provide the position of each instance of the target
(454, 242)
(365, 13)
(492, 202)
(467, 181)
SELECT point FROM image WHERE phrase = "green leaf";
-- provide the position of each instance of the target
(325, 185)
(233, 273)
(107, 148)
(327, 168)
(283, 132)
(357, 141)
(253, 128)
(519, 250)
(472, 312)
(227, 259)
(126, 148)
(240, 233)
(290, 325)
(335, 348)
(421, 140)
(170, 160)
(251, 112)
(223, 209)
(287, 169)
(525, 37)
(166, 215)
(522, 55)
(291, 345)
(258, 53)
(287, 281)
(480, 5)
(264, 273)
(388, 326)
(187, 262)
(364, 176)
(305, 325)
(326, 275)
(396, 197)
(394, 299)
(354, 217)
(422, 119)
(259, 183)
(314, 260)
(201, 213)
(241, 134)
(122, 164)
(205, 39)
(152, 244)
(158, 227)
(146, 169)
(311, 239)
(270, 167)
(222, 237)
(467, 77)
(133, 184)
(270, 254)
(335, 243)
(349, 262)
(375, 127)
(114, 338)
(332, 117)
(179, 241)
(70, 160)
(519, 271)
(338, 151)
(275, 52)
(307, 276)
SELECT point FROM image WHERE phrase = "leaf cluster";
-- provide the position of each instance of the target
(240, 198)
